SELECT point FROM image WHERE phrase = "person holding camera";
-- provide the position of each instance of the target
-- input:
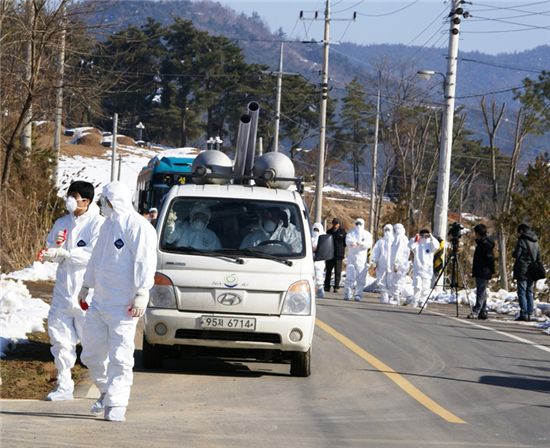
(526, 252)
(483, 268)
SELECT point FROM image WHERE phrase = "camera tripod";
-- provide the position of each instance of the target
(455, 270)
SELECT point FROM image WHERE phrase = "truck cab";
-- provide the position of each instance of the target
(235, 271)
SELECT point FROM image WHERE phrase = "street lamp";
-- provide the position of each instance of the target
(210, 142)
(214, 141)
(140, 127)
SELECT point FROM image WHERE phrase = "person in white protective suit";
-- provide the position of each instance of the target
(121, 271)
(275, 226)
(70, 243)
(381, 259)
(318, 230)
(399, 261)
(423, 246)
(358, 242)
(195, 233)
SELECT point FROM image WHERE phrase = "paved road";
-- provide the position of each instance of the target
(382, 377)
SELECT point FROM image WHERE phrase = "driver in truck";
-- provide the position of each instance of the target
(273, 228)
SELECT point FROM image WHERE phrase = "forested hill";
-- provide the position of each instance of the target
(478, 73)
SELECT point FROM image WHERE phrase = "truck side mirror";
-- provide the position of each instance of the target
(325, 248)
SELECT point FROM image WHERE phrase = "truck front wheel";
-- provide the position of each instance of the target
(300, 363)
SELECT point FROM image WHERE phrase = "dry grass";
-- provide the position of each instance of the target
(30, 205)
(28, 372)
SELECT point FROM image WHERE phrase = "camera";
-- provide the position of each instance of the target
(456, 230)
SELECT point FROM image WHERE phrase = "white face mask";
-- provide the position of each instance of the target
(269, 226)
(70, 204)
(198, 225)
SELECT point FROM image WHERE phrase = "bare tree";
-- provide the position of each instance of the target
(525, 123)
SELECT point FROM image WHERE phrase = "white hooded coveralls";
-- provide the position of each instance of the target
(423, 265)
(318, 265)
(289, 235)
(123, 262)
(358, 242)
(381, 257)
(65, 318)
(399, 260)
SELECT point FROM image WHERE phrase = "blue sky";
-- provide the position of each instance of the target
(495, 27)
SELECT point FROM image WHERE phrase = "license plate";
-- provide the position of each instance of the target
(228, 323)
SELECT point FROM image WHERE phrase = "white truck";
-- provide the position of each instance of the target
(235, 261)
(237, 283)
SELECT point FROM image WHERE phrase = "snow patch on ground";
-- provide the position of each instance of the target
(20, 314)
(36, 272)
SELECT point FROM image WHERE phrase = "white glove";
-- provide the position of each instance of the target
(140, 303)
(82, 295)
(171, 221)
(55, 253)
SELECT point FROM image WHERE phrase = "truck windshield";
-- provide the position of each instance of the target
(232, 226)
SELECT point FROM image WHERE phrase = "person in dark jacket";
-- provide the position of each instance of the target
(526, 251)
(339, 238)
(483, 268)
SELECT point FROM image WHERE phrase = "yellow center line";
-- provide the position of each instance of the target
(398, 379)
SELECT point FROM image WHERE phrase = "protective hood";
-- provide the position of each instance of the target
(319, 227)
(120, 197)
(361, 220)
(529, 235)
(399, 229)
(202, 209)
(388, 235)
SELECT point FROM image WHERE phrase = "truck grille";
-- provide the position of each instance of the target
(229, 336)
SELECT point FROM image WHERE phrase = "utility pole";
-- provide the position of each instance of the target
(278, 101)
(319, 179)
(119, 166)
(113, 147)
(59, 95)
(375, 160)
(442, 198)
(26, 134)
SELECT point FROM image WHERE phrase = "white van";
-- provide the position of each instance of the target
(240, 277)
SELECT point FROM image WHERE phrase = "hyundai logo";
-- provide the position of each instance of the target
(229, 299)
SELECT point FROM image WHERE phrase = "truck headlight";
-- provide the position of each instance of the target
(163, 294)
(298, 299)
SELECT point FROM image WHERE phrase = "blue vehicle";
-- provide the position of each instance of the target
(169, 168)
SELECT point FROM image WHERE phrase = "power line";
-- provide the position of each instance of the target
(493, 92)
(508, 22)
(389, 13)
(512, 8)
(348, 8)
(517, 16)
(508, 67)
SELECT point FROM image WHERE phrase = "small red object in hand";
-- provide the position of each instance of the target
(417, 238)
(40, 255)
(83, 305)
(61, 237)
